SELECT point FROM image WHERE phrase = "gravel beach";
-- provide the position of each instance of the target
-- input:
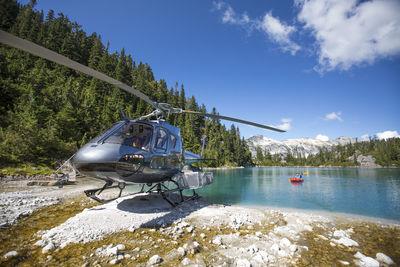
(144, 230)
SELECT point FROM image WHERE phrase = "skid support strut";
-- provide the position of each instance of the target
(158, 188)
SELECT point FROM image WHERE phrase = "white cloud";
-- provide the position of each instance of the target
(349, 32)
(279, 32)
(387, 134)
(276, 30)
(229, 16)
(334, 116)
(286, 125)
(322, 137)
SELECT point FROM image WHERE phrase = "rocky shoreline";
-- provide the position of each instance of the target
(144, 230)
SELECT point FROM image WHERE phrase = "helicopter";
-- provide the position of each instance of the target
(135, 151)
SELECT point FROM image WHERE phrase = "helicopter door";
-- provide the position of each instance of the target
(160, 148)
(161, 143)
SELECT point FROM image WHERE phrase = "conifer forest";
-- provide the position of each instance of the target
(48, 111)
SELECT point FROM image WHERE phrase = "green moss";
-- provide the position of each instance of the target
(27, 170)
(372, 238)
(22, 236)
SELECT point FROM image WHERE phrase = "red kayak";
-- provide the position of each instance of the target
(296, 180)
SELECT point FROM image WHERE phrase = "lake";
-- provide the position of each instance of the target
(367, 192)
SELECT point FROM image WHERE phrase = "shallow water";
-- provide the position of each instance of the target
(367, 192)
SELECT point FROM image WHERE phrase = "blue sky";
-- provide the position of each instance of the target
(316, 68)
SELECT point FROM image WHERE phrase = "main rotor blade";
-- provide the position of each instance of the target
(233, 119)
(40, 51)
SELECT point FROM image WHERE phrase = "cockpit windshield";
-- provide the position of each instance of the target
(137, 135)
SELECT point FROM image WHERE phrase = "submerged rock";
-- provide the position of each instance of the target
(11, 254)
(384, 259)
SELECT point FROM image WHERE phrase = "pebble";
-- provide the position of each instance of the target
(181, 251)
(121, 247)
(217, 241)
(155, 260)
(114, 261)
(49, 247)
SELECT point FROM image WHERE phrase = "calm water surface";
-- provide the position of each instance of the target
(368, 192)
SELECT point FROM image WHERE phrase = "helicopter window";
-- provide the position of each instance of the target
(133, 134)
(161, 140)
(109, 131)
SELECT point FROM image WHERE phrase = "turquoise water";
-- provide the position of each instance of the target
(368, 192)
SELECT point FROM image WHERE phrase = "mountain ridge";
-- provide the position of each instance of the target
(304, 146)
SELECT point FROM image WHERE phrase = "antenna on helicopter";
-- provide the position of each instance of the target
(126, 118)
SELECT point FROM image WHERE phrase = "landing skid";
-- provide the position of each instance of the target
(158, 188)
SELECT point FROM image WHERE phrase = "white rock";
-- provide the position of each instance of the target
(359, 255)
(49, 247)
(384, 259)
(369, 262)
(307, 228)
(347, 242)
(340, 233)
(293, 248)
(285, 243)
(40, 243)
(121, 247)
(11, 254)
(113, 251)
(344, 262)
(181, 251)
(155, 260)
(114, 261)
(120, 257)
(189, 229)
(275, 248)
(217, 241)
(202, 235)
(186, 261)
(243, 263)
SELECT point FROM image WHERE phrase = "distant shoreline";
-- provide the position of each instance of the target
(241, 167)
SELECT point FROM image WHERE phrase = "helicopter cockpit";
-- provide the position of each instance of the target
(134, 134)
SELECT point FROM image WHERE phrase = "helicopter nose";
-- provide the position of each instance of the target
(96, 158)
